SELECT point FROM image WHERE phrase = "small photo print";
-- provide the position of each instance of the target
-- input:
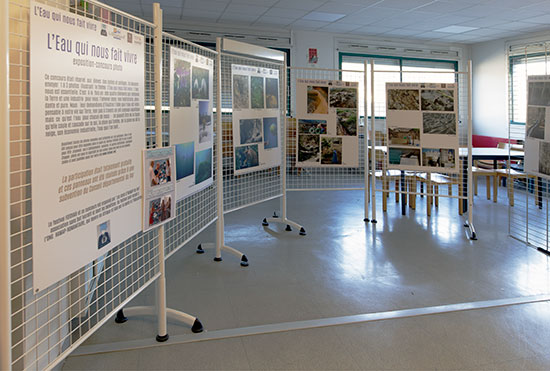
(343, 97)
(309, 149)
(103, 234)
(200, 83)
(205, 122)
(404, 156)
(271, 93)
(398, 136)
(250, 131)
(447, 159)
(404, 99)
(246, 157)
(431, 157)
(312, 127)
(331, 151)
(539, 93)
(535, 122)
(317, 99)
(346, 122)
(271, 133)
(203, 165)
(182, 83)
(240, 92)
(160, 172)
(185, 159)
(544, 158)
(438, 100)
(154, 211)
(257, 92)
(439, 123)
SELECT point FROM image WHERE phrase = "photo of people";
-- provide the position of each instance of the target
(203, 165)
(271, 93)
(160, 172)
(240, 92)
(309, 148)
(185, 159)
(431, 157)
(182, 83)
(404, 99)
(205, 122)
(271, 133)
(103, 234)
(343, 97)
(331, 151)
(257, 92)
(250, 131)
(160, 209)
(447, 158)
(317, 99)
(346, 122)
(246, 157)
(200, 83)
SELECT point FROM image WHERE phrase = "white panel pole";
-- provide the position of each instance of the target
(366, 140)
(373, 144)
(283, 141)
(161, 282)
(5, 285)
(219, 155)
(470, 192)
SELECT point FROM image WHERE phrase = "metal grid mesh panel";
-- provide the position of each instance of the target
(46, 326)
(197, 211)
(243, 190)
(323, 178)
(437, 183)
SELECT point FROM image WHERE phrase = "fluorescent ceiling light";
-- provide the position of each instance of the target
(456, 29)
(321, 16)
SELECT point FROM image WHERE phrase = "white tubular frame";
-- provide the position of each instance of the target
(468, 223)
(5, 246)
(366, 148)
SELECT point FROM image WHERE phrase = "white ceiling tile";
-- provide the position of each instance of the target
(301, 5)
(512, 4)
(323, 17)
(163, 3)
(484, 32)
(245, 18)
(428, 25)
(342, 7)
(432, 34)
(402, 32)
(541, 6)
(203, 14)
(483, 22)
(517, 15)
(308, 25)
(285, 13)
(511, 26)
(396, 22)
(479, 11)
(215, 6)
(274, 21)
(341, 27)
(455, 19)
(267, 3)
(369, 30)
(444, 7)
(380, 12)
(542, 19)
(404, 4)
(246, 9)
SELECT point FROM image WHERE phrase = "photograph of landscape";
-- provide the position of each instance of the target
(200, 83)
(404, 136)
(438, 100)
(404, 99)
(439, 123)
(182, 83)
(539, 93)
(257, 92)
(331, 151)
(317, 99)
(534, 127)
(240, 92)
(343, 97)
(346, 122)
(271, 93)
(309, 148)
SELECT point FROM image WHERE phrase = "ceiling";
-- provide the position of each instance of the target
(456, 21)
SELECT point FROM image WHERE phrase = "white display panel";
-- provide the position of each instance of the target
(327, 123)
(421, 125)
(87, 133)
(256, 111)
(191, 120)
(537, 133)
(159, 186)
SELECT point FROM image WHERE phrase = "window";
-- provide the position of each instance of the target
(393, 69)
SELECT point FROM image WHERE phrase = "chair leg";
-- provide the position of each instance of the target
(475, 185)
(428, 200)
(536, 190)
(412, 190)
(495, 187)
(397, 190)
(488, 180)
(436, 191)
(450, 189)
(385, 186)
(510, 186)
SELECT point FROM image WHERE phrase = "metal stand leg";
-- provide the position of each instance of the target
(218, 258)
(173, 315)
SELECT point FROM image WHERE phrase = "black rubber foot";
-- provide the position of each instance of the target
(162, 338)
(366, 220)
(374, 221)
(199, 250)
(217, 259)
(265, 223)
(543, 251)
(120, 317)
(244, 261)
(197, 326)
(302, 231)
(288, 229)
(466, 225)
(275, 215)
(474, 237)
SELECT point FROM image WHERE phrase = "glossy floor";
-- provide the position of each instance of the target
(345, 267)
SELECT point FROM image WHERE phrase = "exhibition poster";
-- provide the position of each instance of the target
(191, 120)
(87, 133)
(327, 123)
(537, 134)
(256, 111)
(421, 124)
(159, 189)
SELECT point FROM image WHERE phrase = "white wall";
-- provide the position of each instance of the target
(489, 108)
